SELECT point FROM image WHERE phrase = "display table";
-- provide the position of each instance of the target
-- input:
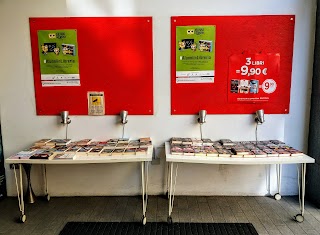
(176, 159)
(143, 159)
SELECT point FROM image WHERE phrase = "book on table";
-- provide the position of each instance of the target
(45, 155)
(64, 156)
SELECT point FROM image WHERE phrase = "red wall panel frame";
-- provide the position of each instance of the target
(115, 56)
(235, 35)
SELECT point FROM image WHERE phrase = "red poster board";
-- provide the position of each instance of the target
(266, 40)
(115, 57)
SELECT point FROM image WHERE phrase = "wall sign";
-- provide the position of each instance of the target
(115, 57)
(195, 54)
(253, 77)
(58, 57)
(96, 103)
(240, 85)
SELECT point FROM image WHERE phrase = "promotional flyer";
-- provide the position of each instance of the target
(195, 54)
(253, 77)
(59, 65)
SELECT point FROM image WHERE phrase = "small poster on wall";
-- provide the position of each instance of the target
(253, 77)
(96, 103)
(59, 63)
(195, 54)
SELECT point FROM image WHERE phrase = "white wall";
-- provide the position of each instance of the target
(21, 126)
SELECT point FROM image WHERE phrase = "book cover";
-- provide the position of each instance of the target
(20, 156)
(123, 140)
(117, 152)
(186, 141)
(207, 142)
(259, 153)
(95, 150)
(134, 143)
(60, 149)
(141, 151)
(73, 149)
(63, 156)
(270, 152)
(113, 140)
(111, 145)
(227, 142)
(84, 150)
(196, 142)
(249, 155)
(58, 142)
(188, 151)
(145, 139)
(121, 145)
(200, 152)
(106, 152)
(224, 152)
(176, 150)
(42, 142)
(82, 142)
(145, 144)
(176, 140)
(43, 155)
(277, 142)
(130, 151)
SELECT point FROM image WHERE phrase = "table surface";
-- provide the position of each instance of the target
(102, 159)
(236, 161)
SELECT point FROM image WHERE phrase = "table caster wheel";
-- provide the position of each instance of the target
(48, 197)
(277, 196)
(23, 218)
(299, 218)
(144, 220)
(169, 220)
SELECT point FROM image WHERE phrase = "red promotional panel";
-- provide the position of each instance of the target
(252, 64)
(115, 61)
(254, 78)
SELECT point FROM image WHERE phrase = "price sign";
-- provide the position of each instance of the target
(253, 77)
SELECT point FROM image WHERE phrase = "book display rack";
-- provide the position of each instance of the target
(87, 151)
(226, 151)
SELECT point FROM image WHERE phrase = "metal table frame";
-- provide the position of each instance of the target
(143, 159)
(174, 160)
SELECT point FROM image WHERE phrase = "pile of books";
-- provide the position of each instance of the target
(229, 148)
(59, 149)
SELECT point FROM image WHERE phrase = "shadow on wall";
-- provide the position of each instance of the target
(3, 190)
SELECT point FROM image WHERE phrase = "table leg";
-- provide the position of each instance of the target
(168, 179)
(300, 217)
(277, 196)
(46, 182)
(172, 190)
(30, 196)
(19, 186)
(144, 182)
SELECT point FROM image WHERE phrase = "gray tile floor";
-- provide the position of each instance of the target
(267, 215)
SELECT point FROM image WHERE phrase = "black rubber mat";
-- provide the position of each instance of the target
(117, 228)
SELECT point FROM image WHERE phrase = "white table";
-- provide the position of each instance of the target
(176, 159)
(143, 159)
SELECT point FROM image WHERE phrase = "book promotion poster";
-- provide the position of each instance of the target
(59, 64)
(195, 54)
(253, 77)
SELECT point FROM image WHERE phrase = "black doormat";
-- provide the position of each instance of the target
(130, 228)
